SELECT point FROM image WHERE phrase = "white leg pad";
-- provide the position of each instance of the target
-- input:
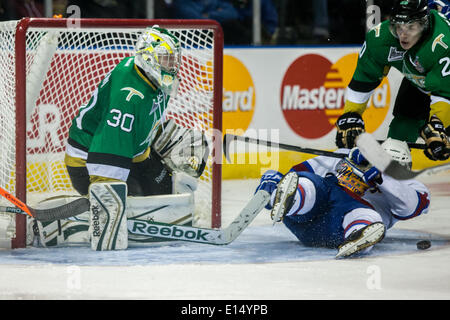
(172, 209)
(108, 219)
(168, 208)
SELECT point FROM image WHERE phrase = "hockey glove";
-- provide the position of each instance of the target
(349, 125)
(372, 177)
(368, 173)
(438, 145)
(356, 157)
(269, 182)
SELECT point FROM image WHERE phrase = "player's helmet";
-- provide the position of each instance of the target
(399, 151)
(347, 177)
(407, 11)
(158, 54)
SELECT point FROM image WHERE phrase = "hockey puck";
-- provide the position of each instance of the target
(423, 244)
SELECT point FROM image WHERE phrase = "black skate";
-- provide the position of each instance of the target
(284, 197)
(360, 239)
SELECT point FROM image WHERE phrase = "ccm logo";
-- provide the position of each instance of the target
(351, 120)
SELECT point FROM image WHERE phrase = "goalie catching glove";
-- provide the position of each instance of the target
(181, 149)
(349, 125)
(438, 145)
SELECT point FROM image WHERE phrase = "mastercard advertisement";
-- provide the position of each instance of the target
(313, 94)
(293, 96)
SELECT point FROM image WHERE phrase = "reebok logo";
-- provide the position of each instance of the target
(155, 229)
(95, 221)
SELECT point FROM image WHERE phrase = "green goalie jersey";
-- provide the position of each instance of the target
(116, 126)
(426, 64)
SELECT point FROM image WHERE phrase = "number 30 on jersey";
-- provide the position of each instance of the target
(124, 121)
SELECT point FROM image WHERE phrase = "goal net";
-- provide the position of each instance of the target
(50, 67)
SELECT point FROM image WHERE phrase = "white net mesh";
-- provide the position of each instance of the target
(63, 67)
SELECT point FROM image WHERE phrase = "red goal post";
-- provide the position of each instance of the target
(54, 77)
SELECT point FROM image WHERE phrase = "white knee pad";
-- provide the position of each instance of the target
(108, 220)
(359, 218)
(59, 232)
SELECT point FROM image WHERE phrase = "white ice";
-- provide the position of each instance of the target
(265, 262)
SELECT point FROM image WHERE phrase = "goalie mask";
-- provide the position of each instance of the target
(399, 151)
(158, 54)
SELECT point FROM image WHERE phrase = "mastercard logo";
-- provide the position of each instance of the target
(313, 95)
(239, 95)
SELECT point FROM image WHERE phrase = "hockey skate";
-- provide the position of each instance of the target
(360, 239)
(284, 196)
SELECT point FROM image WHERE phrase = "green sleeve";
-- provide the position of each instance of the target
(437, 80)
(373, 62)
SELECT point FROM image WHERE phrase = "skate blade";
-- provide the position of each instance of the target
(290, 182)
(371, 235)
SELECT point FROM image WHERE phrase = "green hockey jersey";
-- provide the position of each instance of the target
(118, 123)
(426, 64)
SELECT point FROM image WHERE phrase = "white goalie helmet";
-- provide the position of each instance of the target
(158, 54)
(399, 151)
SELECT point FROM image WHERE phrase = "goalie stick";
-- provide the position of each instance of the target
(375, 154)
(62, 212)
(203, 235)
(157, 229)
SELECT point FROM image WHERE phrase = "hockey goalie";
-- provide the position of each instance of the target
(126, 157)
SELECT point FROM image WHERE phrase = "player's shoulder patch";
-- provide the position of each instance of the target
(441, 40)
(132, 92)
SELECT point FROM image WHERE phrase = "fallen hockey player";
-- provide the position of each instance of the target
(344, 204)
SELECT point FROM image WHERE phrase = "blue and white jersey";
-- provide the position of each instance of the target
(318, 210)
(442, 5)
(394, 200)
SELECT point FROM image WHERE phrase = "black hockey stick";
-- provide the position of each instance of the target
(68, 210)
(229, 138)
(380, 159)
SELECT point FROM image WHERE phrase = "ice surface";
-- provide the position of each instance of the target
(265, 262)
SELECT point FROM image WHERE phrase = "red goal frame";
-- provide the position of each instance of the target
(20, 83)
